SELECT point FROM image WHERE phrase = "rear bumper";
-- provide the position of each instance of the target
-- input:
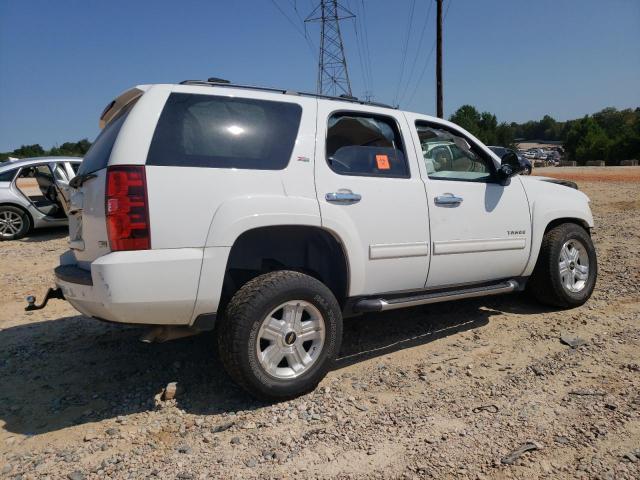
(155, 287)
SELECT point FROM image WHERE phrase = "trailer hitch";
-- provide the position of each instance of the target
(51, 293)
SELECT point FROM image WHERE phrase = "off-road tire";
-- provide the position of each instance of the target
(238, 329)
(26, 222)
(545, 284)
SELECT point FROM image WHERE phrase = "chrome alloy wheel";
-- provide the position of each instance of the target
(574, 266)
(290, 339)
(10, 223)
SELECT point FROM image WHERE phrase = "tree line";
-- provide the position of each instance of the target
(610, 134)
(67, 149)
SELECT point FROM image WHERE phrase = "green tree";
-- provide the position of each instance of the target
(487, 128)
(505, 135)
(67, 149)
(468, 118)
(484, 126)
(71, 149)
(25, 151)
(587, 140)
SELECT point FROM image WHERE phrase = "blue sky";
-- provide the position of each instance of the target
(62, 61)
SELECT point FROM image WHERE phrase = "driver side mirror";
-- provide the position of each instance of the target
(509, 166)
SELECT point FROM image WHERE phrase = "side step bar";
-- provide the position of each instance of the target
(381, 304)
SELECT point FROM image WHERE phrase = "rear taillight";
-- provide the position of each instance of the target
(126, 208)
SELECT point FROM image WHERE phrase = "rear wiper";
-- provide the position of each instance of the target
(78, 180)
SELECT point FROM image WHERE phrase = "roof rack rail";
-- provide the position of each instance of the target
(219, 82)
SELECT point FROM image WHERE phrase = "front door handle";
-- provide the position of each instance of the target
(343, 197)
(448, 199)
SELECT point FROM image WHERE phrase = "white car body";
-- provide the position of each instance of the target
(395, 239)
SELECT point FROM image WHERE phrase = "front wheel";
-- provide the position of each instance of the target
(567, 267)
(280, 334)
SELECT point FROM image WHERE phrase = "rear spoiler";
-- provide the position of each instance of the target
(121, 101)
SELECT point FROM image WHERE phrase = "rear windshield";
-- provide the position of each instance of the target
(222, 132)
(98, 155)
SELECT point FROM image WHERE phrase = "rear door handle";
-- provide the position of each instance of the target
(343, 198)
(448, 199)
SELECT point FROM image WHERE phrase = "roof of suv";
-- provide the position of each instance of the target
(216, 82)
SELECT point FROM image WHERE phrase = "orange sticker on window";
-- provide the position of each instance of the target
(383, 162)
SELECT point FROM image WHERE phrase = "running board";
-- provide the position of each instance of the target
(381, 304)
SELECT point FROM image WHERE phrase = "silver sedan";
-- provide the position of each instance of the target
(32, 194)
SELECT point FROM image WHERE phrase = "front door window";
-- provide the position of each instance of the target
(448, 156)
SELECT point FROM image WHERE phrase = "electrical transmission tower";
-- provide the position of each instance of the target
(333, 76)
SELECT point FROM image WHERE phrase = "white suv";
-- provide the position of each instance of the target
(270, 215)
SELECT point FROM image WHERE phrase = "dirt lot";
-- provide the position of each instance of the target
(442, 391)
(592, 174)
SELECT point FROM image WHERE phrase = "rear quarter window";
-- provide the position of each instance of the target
(222, 132)
(8, 176)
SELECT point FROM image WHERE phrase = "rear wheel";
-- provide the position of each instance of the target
(567, 267)
(14, 222)
(280, 334)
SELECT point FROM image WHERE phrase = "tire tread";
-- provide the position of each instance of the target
(240, 314)
(543, 284)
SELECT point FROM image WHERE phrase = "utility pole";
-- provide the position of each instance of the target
(333, 76)
(439, 101)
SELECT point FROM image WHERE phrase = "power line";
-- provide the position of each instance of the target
(426, 64)
(365, 31)
(418, 52)
(294, 4)
(361, 54)
(424, 69)
(405, 48)
(310, 44)
(363, 70)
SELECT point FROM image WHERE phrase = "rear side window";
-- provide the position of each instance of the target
(223, 132)
(8, 176)
(98, 155)
(365, 145)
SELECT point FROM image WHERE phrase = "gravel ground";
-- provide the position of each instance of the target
(448, 390)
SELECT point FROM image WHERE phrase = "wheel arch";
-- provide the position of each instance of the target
(309, 249)
(577, 221)
(216, 285)
(541, 227)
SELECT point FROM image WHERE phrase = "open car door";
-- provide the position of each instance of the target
(61, 179)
